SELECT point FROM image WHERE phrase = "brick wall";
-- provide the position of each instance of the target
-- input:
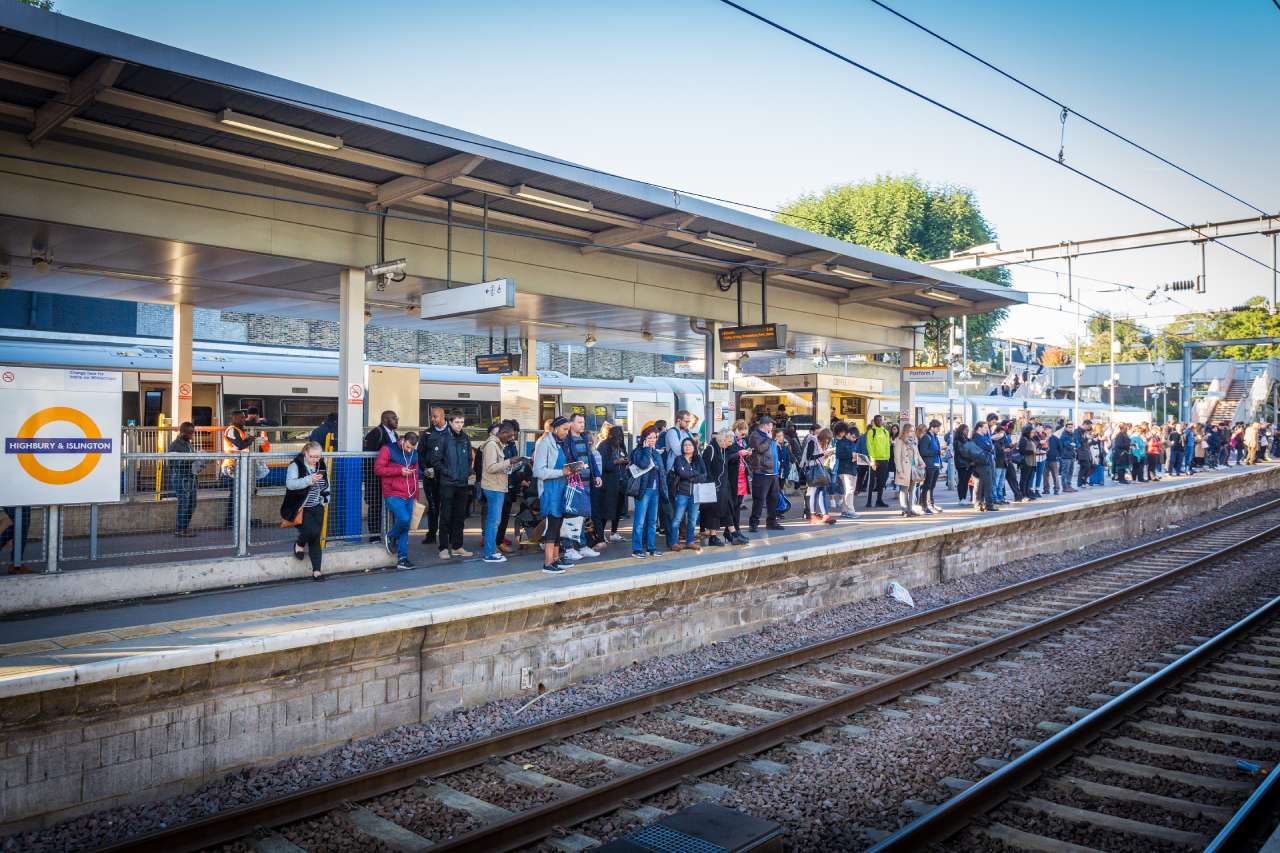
(75, 750)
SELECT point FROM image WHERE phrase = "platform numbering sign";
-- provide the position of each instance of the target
(61, 434)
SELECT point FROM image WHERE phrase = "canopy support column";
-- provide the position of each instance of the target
(181, 389)
(351, 284)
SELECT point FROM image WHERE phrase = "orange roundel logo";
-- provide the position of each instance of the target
(90, 444)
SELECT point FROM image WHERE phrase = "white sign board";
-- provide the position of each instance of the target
(395, 389)
(61, 432)
(641, 414)
(469, 299)
(519, 401)
(925, 374)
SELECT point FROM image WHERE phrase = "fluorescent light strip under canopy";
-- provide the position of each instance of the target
(528, 193)
(727, 242)
(849, 272)
(280, 131)
(940, 295)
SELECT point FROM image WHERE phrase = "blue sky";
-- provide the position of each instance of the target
(695, 95)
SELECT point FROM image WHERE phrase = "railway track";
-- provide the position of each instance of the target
(1187, 752)
(631, 749)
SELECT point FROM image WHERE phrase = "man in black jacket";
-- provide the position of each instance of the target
(452, 460)
(431, 440)
(376, 439)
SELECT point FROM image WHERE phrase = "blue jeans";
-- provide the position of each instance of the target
(644, 522)
(1040, 475)
(997, 484)
(401, 510)
(684, 503)
(492, 518)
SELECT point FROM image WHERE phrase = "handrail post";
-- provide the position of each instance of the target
(244, 510)
(52, 537)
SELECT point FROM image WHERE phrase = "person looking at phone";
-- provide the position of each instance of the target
(495, 469)
(550, 468)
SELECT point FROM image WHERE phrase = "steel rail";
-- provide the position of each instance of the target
(531, 826)
(1249, 818)
(961, 810)
(232, 824)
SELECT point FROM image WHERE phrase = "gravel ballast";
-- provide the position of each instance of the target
(470, 724)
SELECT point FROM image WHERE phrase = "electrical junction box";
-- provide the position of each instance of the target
(702, 828)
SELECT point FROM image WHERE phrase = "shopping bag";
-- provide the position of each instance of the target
(577, 500)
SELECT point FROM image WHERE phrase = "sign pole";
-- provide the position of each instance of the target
(52, 523)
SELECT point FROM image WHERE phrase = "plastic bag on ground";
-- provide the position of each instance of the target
(901, 593)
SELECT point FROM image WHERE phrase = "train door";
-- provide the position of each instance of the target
(154, 402)
(550, 408)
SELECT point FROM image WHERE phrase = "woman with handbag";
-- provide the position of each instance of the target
(908, 470)
(718, 513)
(817, 456)
(687, 473)
(739, 482)
(647, 484)
(305, 497)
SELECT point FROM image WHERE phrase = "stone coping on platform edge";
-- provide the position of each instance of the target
(55, 677)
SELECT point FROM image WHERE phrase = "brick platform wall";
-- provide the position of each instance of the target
(79, 749)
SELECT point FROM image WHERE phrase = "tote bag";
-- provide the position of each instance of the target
(705, 493)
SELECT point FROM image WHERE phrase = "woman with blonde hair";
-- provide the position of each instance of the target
(817, 460)
(908, 469)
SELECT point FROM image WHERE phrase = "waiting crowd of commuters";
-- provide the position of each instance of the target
(570, 494)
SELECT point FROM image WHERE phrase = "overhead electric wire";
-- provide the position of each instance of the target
(1064, 106)
(981, 124)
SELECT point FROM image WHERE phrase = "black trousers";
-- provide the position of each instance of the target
(1011, 476)
(862, 480)
(927, 487)
(309, 532)
(453, 514)
(431, 488)
(963, 473)
(1083, 470)
(1027, 478)
(612, 507)
(764, 497)
(876, 478)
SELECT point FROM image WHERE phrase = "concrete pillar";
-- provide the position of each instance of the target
(181, 390)
(906, 392)
(529, 353)
(351, 390)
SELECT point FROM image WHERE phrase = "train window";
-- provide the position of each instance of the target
(152, 407)
(478, 414)
(258, 403)
(305, 411)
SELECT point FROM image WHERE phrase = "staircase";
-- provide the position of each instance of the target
(1225, 411)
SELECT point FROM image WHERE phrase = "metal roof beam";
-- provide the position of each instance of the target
(862, 295)
(34, 78)
(81, 91)
(441, 172)
(626, 235)
(1101, 245)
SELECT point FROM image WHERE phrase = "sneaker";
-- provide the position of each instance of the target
(553, 569)
(462, 552)
(615, 537)
(774, 526)
(849, 514)
(882, 505)
(571, 554)
(495, 558)
(444, 555)
(589, 552)
(639, 555)
(936, 508)
(655, 553)
(405, 564)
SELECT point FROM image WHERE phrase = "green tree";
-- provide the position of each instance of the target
(1251, 320)
(906, 216)
(47, 5)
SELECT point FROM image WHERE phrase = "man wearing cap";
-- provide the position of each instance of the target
(763, 463)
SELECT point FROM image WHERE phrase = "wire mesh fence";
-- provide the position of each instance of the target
(354, 512)
(22, 540)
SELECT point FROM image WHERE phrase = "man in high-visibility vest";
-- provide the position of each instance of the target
(235, 440)
(878, 454)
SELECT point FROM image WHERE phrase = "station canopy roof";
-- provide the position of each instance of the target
(99, 87)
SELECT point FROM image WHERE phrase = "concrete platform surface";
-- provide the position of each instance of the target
(56, 650)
